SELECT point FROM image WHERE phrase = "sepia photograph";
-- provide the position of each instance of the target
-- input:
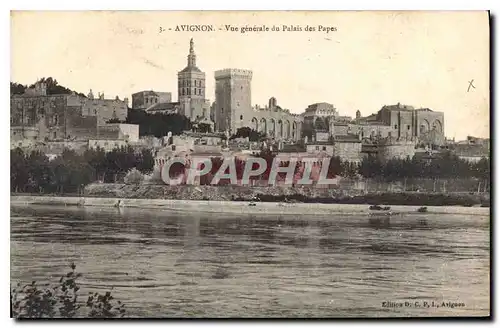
(250, 164)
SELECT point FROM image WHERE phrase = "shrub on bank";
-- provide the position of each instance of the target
(133, 177)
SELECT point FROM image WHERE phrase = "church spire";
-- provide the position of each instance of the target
(192, 55)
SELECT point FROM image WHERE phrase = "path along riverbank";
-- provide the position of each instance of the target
(237, 207)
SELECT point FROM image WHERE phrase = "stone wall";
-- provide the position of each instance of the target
(396, 150)
(105, 109)
(274, 121)
(367, 130)
(348, 151)
(79, 127)
(53, 117)
(128, 132)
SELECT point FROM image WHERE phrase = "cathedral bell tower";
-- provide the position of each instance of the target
(191, 80)
(191, 87)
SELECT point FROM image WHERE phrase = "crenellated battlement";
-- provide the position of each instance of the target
(233, 72)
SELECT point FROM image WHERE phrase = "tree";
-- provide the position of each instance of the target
(53, 87)
(119, 161)
(96, 158)
(158, 124)
(482, 168)
(17, 88)
(71, 172)
(40, 173)
(334, 167)
(19, 171)
(251, 134)
(243, 132)
(349, 169)
(371, 167)
(145, 161)
(114, 121)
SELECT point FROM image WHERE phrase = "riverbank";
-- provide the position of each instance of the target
(276, 194)
(236, 207)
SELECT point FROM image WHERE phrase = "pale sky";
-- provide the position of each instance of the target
(423, 59)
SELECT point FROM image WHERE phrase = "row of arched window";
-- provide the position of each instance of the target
(187, 83)
(152, 100)
(187, 92)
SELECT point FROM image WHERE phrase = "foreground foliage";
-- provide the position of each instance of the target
(61, 301)
(70, 172)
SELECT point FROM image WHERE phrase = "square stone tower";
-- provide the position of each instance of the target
(233, 99)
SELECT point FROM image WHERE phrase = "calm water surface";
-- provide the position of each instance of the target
(165, 264)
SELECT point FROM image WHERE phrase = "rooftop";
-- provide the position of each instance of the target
(147, 93)
(164, 106)
(313, 143)
(399, 107)
(191, 69)
(347, 138)
(201, 134)
(295, 148)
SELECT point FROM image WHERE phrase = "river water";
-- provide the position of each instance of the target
(166, 264)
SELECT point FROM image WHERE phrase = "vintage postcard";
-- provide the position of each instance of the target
(250, 164)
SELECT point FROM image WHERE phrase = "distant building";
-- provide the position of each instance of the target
(233, 108)
(478, 141)
(104, 109)
(348, 148)
(146, 99)
(320, 147)
(403, 122)
(51, 123)
(37, 116)
(318, 117)
(471, 152)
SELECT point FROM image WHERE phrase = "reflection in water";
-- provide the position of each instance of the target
(169, 264)
(380, 222)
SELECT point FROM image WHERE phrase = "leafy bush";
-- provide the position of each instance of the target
(133, 177)
(61, 301)
(153, 178)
